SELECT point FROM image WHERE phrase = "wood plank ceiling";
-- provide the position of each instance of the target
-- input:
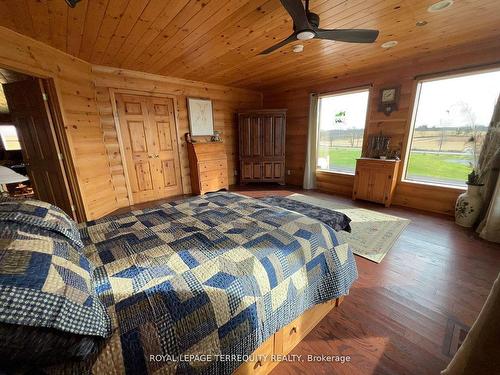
(218, 41)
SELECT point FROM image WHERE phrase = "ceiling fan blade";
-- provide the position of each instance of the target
(348, 35)
(298, 13)
(290, 39)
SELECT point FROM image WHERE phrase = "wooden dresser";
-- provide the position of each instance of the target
(208, 167)
(375, 180)
(262, 145)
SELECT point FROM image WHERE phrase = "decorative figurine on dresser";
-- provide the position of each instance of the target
(262, 145)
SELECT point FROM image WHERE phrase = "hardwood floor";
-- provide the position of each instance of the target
(400, 313)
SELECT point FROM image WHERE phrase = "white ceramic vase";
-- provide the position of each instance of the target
(468, 206)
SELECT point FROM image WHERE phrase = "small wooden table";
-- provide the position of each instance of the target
(375, 180)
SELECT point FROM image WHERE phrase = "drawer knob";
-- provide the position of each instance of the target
(293, 330)
(258, 364)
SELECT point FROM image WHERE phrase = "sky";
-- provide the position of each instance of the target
(354, 104)
(440, 103)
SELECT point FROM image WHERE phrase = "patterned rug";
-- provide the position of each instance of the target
(373, 234)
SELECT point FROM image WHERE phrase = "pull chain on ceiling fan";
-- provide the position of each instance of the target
(306, 26)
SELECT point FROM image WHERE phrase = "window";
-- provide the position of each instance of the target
(342, 119)
(450, 121)
(9, 137)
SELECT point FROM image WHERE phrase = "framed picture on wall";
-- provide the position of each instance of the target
(201, 118)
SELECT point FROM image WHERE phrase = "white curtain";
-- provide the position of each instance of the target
(489, 160)
(312, 143)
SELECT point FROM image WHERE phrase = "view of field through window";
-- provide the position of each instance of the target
(451, 119)
(342, 120)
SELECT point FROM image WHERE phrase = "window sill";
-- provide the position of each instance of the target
(335, 172)
(432, 185)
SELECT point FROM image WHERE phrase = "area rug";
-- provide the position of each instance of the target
(373, 234)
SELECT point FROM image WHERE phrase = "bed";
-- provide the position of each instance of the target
(197, 285)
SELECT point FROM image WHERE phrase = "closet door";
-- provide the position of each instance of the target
(256, 136)
(139, 143)
(148, 133)
(167, 180)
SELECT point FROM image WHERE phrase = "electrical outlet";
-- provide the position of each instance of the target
(288, 172)
(236, 172)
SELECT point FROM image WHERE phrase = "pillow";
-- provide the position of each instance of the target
(46, 287)
(40, 214)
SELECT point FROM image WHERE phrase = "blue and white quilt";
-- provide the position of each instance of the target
(194, 285)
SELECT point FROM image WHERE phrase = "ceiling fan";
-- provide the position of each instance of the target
(306, 26)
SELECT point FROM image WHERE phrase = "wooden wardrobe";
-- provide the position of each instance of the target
(262, 145)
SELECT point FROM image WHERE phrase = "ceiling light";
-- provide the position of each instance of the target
(421, 23)
(440, 5)
(390, 44)
(298, 48)
(305, 35)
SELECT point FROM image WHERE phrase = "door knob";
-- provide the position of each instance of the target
(150, 156)
(157, 156)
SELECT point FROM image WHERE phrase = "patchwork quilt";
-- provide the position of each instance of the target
(44, 280)
(195, 285)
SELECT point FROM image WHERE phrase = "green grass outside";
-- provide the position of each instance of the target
(421, 165)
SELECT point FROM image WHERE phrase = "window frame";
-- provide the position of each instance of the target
(351, 90)
(417, 88)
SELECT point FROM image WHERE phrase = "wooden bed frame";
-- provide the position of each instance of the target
(283, 341)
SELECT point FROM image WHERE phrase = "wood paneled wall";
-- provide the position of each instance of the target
(84, 96)
(397, 125)
(76, 95)
(226, 102)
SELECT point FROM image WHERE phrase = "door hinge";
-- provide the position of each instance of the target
(45, 97)
(60, 156)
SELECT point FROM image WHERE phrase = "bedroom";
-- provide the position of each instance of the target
(126, 81)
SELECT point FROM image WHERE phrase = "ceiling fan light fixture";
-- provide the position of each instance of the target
(305, 35)
(298, 48)
(390, 44)
(440, 6)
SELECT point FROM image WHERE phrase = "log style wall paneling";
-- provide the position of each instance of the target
(226, 102)
(397, 125)
(76, 94)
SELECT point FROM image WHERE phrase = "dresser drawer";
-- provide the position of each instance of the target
(213, 174)
(295, 331)
(261, 362)
(210, 165)
(213, 184)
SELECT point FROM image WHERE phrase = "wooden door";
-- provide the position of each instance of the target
(273, 135)
(245, 136)
(149, 137)
(278, 144)
(362, 187)
(166, 156)
(379, 180)
(30, 114)
(256, 136)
